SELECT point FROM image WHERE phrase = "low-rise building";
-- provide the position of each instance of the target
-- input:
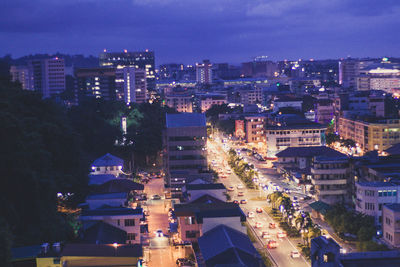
(209, 100)
(181, 102)
(110, 199)
(391, 224)
(254, 128)
(371, 196)
(295, 135)
(126, 219)
(195, 191)
(198, 218)
(107, 164)
(287, 102)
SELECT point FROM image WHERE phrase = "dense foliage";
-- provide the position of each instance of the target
(242, 169)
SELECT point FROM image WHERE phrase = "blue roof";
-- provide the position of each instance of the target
(28, 252)
(224, 245)
(185, 120)
(97, 179)
(121, 195)
(376, 184)
(310, 151)
(103, 233)
(112, 211)
(108, 160)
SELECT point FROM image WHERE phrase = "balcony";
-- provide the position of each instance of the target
(328, 171)
(329, 182)
(332, 192)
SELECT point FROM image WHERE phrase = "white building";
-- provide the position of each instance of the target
(126, 219)
(282, 137)
(107, 164)
(371, 196)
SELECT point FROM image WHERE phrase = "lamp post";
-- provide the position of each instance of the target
(115, 245)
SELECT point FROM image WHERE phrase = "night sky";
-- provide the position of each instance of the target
(191, 30)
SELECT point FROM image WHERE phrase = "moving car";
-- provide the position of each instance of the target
(250, 214)
(265, 235)
(258, 225)
(281, 234)
(239, 186)
(295, 254)
(159, 233)
(272, 244)
(156, 197)
(240, 194)
(231, 188)
(243, 201)
(272, 225)
(236, 201)
(259, 210)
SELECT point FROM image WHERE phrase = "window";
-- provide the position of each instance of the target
(98, 169)
(190, 220)
(129, 222)
(192, 234)
(387, 221)
(118, 222)
(131, 236)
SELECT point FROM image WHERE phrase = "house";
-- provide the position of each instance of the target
(99, 179)
(195, 191)
(108, 164)
(126, 219)
(98, 232)
(194, 219)
(111, 199)
(224, 246)
(119, 185)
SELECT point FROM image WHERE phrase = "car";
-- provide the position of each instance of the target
(306, 198)
(272, 225)
(159, 233)
(239, 186)
(265, 235)
(231, 188)
(240, 194)
(258, 225)
(243, 201)
(156, 197)
(281, 234)
(272, 244)
(295, 199)
(287, 190)
(259, 210)
(295, 254)
(236, 201)
(223, 176)
(250, 214)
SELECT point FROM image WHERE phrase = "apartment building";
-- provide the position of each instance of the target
(330, 177)
(254, 129)
(22, 75)
(371, 134)
(287, 102)
(391, 224)
(371, 196)
(279, 138)
(181, 102)
(206, 101)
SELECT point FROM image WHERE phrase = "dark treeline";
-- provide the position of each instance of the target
(46, 148)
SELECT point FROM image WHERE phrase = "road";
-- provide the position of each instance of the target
(280, 255)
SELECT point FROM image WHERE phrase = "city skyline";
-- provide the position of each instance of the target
(229, 30)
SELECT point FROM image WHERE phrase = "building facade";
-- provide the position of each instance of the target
(181, 102)
(204, 72)
(22, 75)
(391, 224)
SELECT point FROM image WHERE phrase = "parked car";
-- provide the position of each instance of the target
(231, 188)
(159, 233)
(243, 201)
(272, 225)
(156, 197)
(236, 201)
(240, 194)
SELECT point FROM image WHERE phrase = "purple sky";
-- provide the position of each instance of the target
(191, 30)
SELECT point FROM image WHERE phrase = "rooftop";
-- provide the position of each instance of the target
(224, 245)
(185, 120)
(309, 152)
(204, 186)
(320, 207)
(393, 206)
(108, 160)
(98, 179)
(375, 184)
(118, 185)
(101, 250)
(394, 150)
(103, 233)
(309, 125)
(112, 211)
(120, 195)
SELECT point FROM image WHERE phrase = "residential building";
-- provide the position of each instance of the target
(254, 129)
(185, 139)
(324, 111)
(209, 100)
(260, 67)
(180, 101)
(22, 75)
(391, 224)
(371, 196)
(195, 191)
(119, 185)
(95, 201)
(98, 83)
(325, 252)
(349, 69)
(330, 177)
(204, 72)
(144, 60)
(370, 134)
(246, 95)
(195, 219)
(126, 219)
(294, 135)
(108, 164)
(47, 76)
(224, 246)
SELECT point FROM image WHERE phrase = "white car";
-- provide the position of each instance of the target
(159, 233)
(250, 214)
(239, 186)
(231, 188)
(295, 254)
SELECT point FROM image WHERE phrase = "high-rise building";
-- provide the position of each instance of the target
(349, 69)
(21, 74)
(143, 60)
(185, 140)
(204, 72)
(132, 82)
(98, 83)
(47, 76)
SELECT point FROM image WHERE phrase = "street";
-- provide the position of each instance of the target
(282, 254)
